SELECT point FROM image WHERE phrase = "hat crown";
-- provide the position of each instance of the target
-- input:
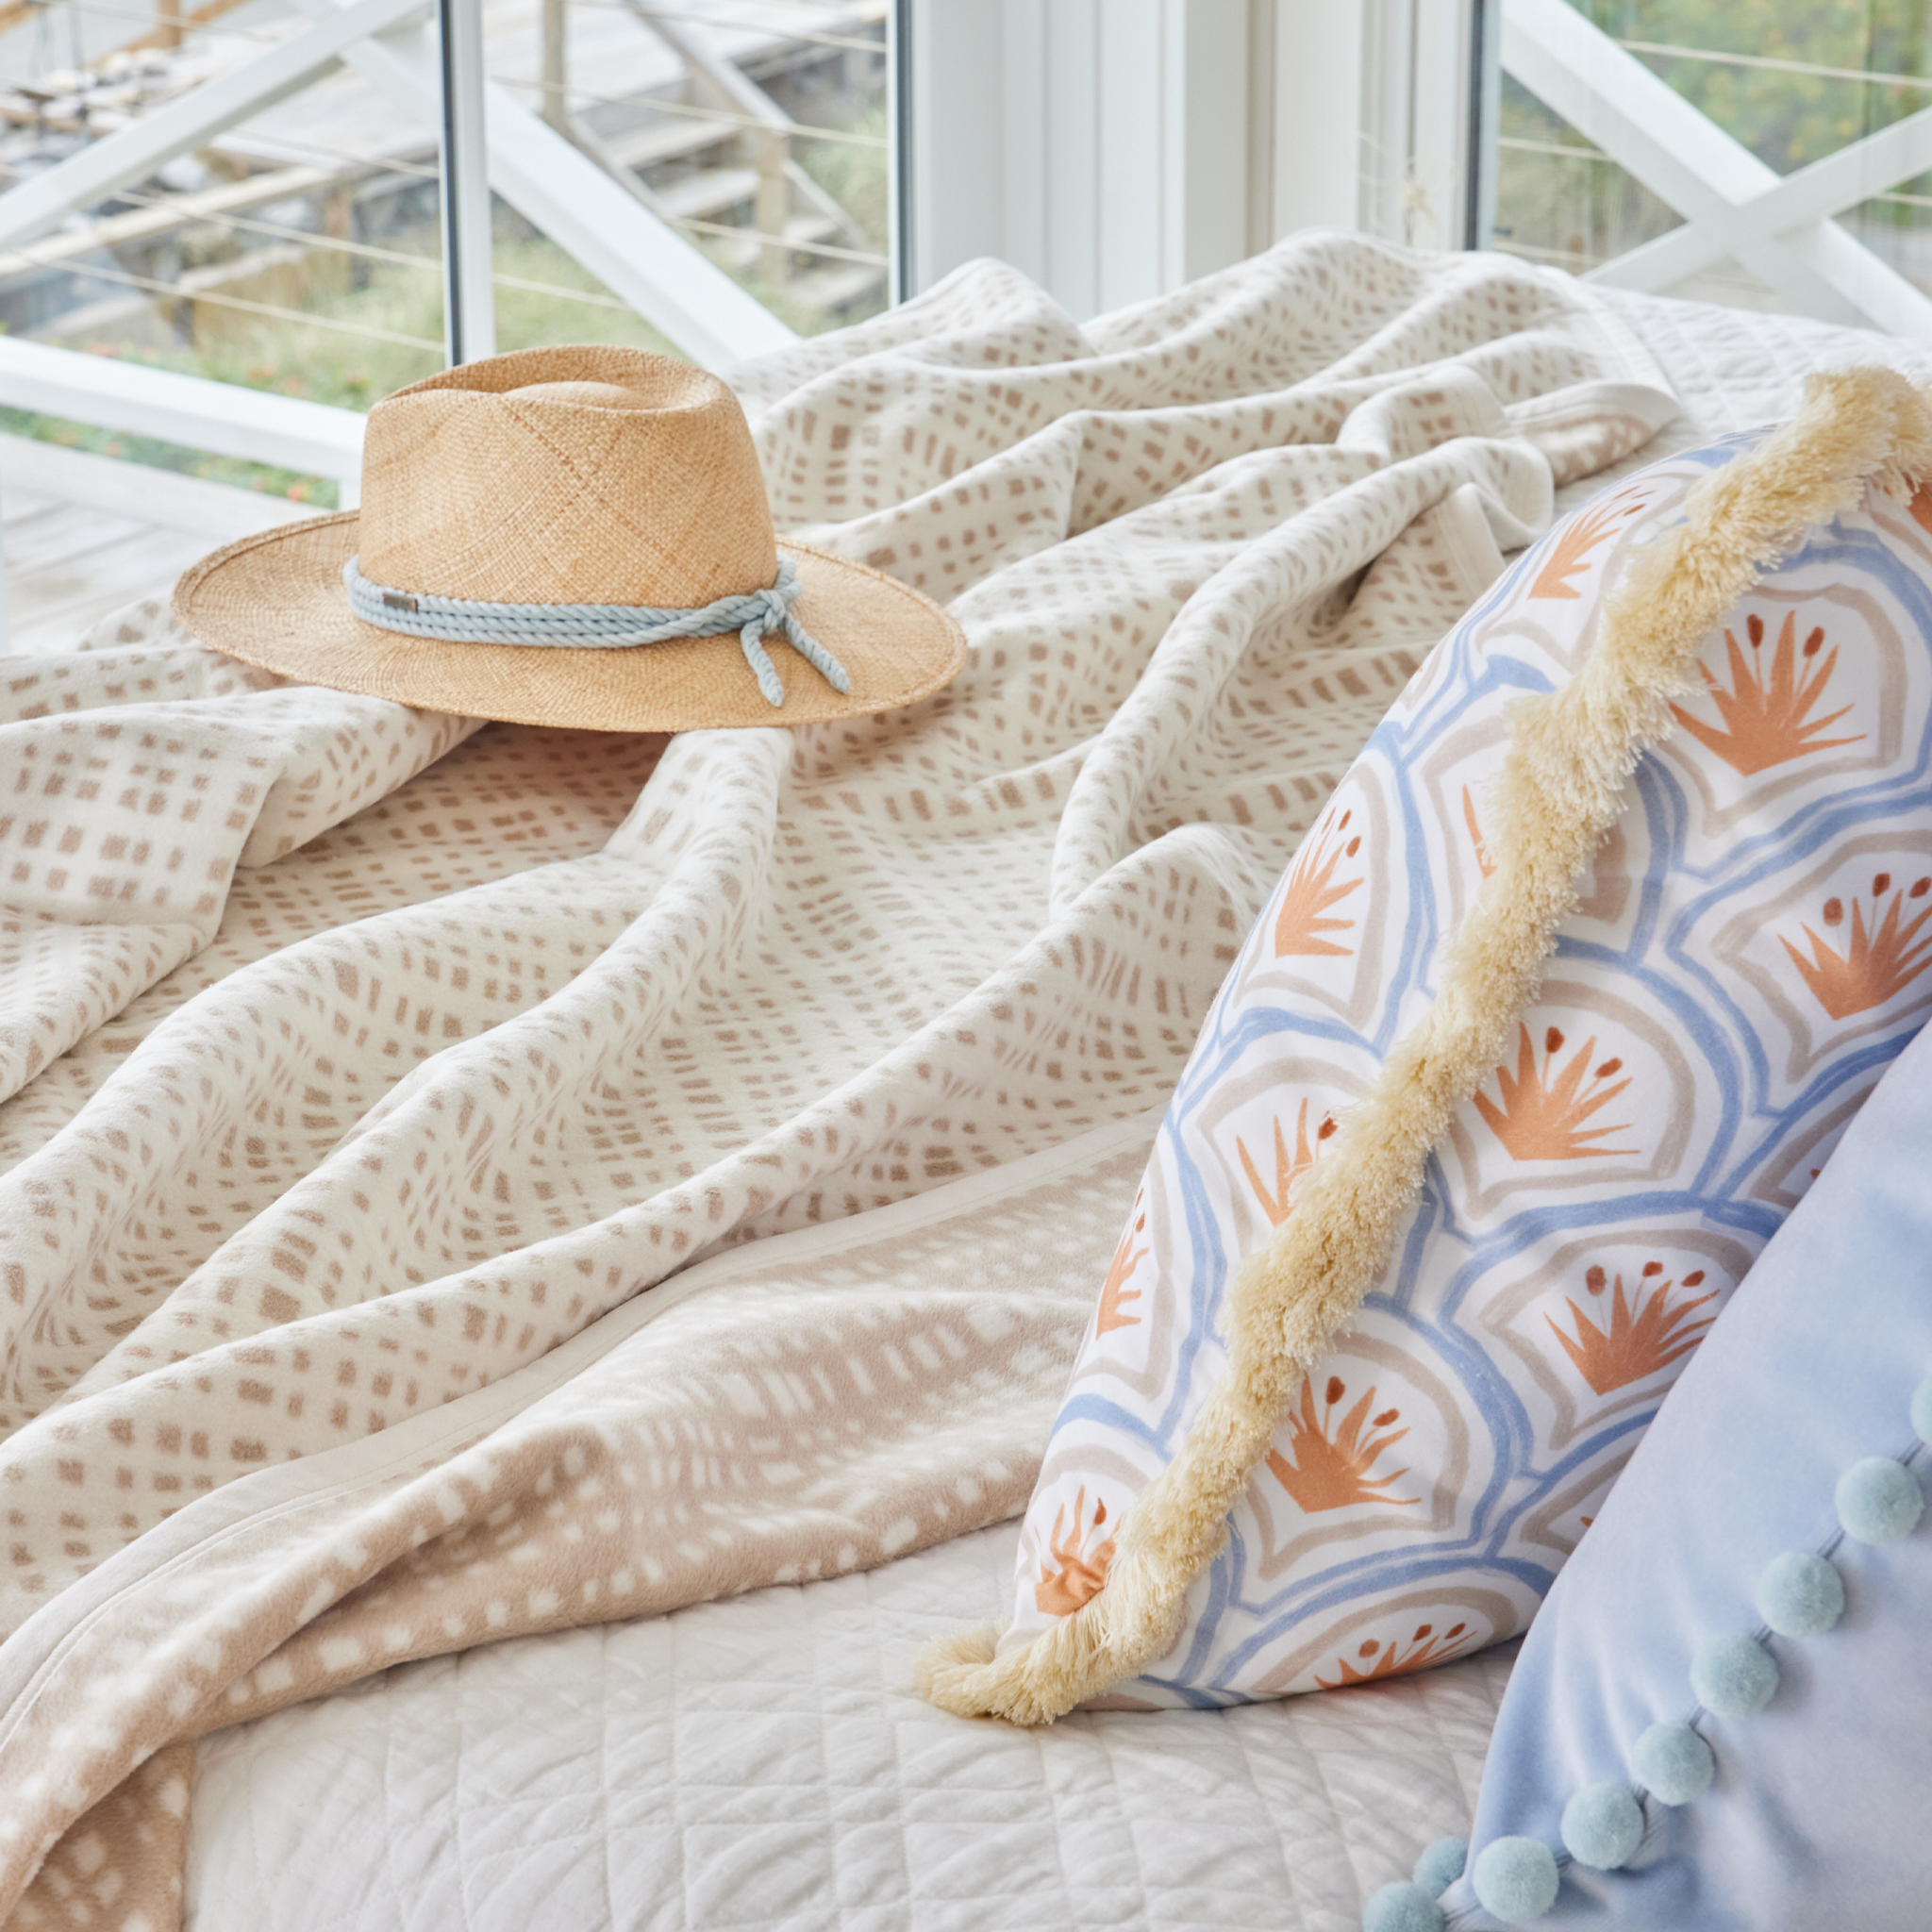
(577, 475)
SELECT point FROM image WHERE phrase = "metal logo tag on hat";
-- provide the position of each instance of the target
(576, 537)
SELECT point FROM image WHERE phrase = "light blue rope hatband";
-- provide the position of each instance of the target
(608, 626)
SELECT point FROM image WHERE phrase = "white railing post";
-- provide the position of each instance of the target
(45, 200)
(639, 258)
(220, 417)
(469, 295)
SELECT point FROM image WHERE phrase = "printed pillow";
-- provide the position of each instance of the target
(1422, 1245)
(1720, 1716)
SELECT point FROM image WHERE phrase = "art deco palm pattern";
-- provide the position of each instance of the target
(1749, 952)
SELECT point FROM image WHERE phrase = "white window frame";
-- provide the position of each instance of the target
(1112, 149)
(1115, 149)
(1101, 146)
(1379, 119)
(640, 258)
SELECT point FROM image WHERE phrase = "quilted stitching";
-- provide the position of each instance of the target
(761, 1761)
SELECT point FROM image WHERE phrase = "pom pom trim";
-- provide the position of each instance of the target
(1800, 1593)
(1403, 1906)
(1733, 1674)
(1603, 1825)
(1879, 1500)
(1441, 1865)
(1515, 1879)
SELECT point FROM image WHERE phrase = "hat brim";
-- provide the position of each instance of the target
(277, 601)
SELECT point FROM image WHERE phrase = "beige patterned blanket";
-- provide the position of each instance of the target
(362, 1070)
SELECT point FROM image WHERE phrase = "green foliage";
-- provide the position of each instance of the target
(1787, 119)
(858, 177)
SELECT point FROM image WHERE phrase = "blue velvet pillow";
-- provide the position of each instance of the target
(1734, 1778)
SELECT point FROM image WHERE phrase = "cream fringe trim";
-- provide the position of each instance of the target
(1562, 788)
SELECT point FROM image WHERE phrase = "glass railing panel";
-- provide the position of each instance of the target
(755, 128)
(1625, 122)
(292, 251)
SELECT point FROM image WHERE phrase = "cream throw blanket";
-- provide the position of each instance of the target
(365, 1068)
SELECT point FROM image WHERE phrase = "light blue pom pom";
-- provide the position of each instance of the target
(1800, 1594)
(1672, 1763)
(1440, 1866)
(1515, 1879)
(1920, 1410)
(1733, 1674)
(1879, 1500)
(1402, 1907)
(1603, 1825)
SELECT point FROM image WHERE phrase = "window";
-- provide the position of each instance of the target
(220, 234)
(220, 226)
(1777, 156)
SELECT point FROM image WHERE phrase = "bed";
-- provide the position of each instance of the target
(750, 1754)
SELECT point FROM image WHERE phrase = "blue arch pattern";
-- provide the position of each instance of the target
(1749, 952)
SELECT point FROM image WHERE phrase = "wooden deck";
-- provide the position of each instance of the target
(85, 534)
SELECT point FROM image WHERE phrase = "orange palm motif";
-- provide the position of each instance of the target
(1878, 963)
(1077, 1574)
(1572, 550)
(1764, 719)
(1331, 1471)
(1287, 1172)
(1374, 1660)
(1475, 834)
(1114, 1291)
(1921, 507)
(1637, 1341)
(1302, 921)
(1543, 1119)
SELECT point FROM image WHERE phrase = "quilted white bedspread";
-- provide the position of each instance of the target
(760, 1760)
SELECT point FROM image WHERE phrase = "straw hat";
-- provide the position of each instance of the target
(570, 537)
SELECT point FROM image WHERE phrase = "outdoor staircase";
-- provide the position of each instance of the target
(699, 166)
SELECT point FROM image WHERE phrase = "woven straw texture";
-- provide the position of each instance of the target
(580, 476)
(370, 1071)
